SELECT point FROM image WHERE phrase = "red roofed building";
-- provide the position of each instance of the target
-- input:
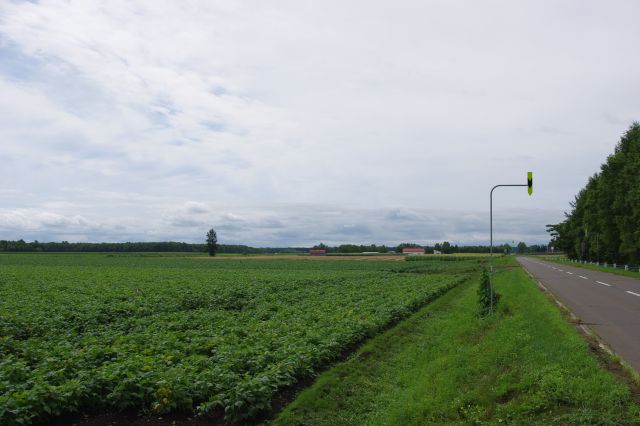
(317, 252)
(412, 250)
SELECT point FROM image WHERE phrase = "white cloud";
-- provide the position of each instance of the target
(199, 110)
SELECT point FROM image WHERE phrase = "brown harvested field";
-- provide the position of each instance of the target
(305, 257)
(393, 257)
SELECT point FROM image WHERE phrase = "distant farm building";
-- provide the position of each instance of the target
(412, 251)
(317, 252)
(437, 252)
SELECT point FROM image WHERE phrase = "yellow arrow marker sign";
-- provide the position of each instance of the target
(530, 182)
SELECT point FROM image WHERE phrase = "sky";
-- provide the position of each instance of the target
(289, 123)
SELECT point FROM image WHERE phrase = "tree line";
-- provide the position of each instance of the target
(445, 247)
(178, 247)
(604, 221)
(353, 248)
(131, 247)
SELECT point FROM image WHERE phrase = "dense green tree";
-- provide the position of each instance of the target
(446, 248)
(321, 246)
(604, 221)
(522, 247)
(353, 248)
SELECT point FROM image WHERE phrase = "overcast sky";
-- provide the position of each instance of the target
(295, 122)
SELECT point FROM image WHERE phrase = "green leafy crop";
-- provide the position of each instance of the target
(160, 334)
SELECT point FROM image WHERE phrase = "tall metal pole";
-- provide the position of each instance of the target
(491, 247)
(491, 240)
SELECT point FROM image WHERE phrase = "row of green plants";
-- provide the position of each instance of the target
(102, 333)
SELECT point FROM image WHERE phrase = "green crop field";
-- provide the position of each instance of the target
(168, 333)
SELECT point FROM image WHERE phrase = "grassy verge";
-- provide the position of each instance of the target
(523, 365)
(622, 272)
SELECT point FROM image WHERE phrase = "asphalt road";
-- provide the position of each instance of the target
(609, 304)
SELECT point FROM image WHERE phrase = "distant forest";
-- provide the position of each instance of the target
(163, 246)
(445, 248)
(604, 222)
(169, 246)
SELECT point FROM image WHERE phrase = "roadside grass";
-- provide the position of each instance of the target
(621, 272)
(444, 365)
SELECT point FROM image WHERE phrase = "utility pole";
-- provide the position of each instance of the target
(529, 186)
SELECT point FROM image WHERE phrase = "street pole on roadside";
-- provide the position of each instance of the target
(529, 184)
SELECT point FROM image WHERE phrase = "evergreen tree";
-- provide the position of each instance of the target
(212, 242)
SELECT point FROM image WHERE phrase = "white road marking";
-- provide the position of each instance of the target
(600, 282)
(561, 270)
(584, 278)
(635, 294)
(570, 273)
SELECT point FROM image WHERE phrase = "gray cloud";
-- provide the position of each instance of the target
(285, 226)
(194, 207)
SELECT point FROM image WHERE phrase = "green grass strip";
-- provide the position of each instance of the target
(444, 365)
(633, 274)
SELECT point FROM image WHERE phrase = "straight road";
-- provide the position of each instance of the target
(607, 303)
